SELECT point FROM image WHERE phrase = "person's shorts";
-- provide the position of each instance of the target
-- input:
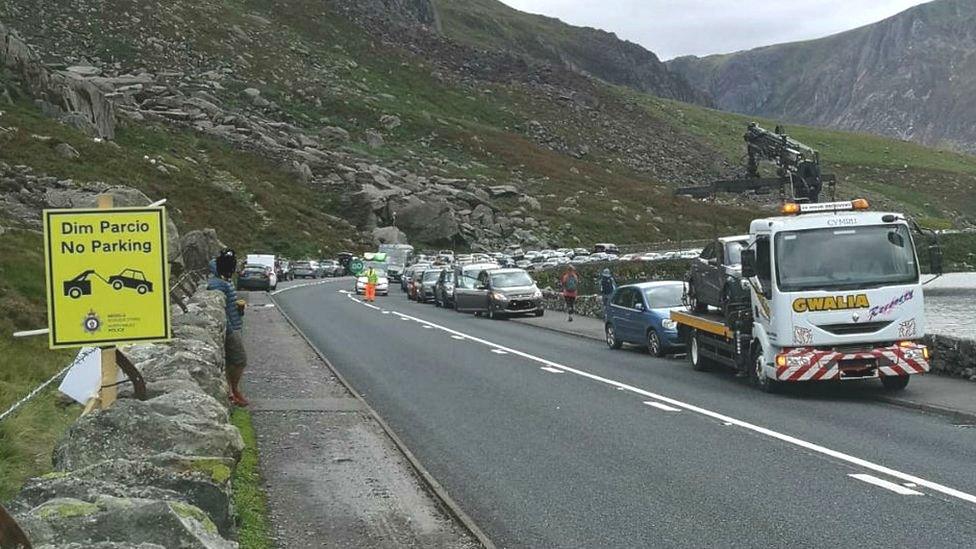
(234, 350)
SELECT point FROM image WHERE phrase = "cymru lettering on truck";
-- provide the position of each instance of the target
(831, 303)
(114, 237)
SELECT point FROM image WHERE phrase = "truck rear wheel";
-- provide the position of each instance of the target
(765, 383)
(895, 383)
(698, 362)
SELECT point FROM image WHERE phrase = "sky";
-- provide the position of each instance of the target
(672, 28)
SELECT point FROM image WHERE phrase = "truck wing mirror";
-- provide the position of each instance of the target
(935, 259)
(748, 263)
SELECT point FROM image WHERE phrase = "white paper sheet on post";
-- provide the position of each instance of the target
(82, 381)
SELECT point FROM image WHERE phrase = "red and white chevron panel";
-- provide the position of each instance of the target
(822, 365)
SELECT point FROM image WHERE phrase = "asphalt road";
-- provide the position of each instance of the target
(548, 440)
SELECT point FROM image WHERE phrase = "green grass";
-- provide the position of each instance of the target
(250, 501)
(28, 437)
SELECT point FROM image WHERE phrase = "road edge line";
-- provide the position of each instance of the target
(523, 322)
(452, 506)
(955, 415)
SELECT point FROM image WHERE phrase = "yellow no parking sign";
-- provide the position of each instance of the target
(107, 276)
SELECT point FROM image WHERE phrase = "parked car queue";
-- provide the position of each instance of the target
(484, 289)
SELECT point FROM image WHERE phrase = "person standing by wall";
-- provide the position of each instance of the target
(570, 284)
(607, 285)
(222, 271)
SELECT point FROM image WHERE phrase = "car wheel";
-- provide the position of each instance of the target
(117, 285)
(74, 293)
(491, 312)
(654, 346)
(540, 312)
(895, 383)
(611, 338)
(759, 377)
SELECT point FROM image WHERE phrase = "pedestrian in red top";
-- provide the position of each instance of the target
(570, 283)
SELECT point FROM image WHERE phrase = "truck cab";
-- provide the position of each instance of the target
(835, 293)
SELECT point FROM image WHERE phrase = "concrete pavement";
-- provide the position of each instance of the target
(931, 393)
(333, 477)
(552, 440)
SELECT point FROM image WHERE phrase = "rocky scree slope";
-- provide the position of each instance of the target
(460, 146)
(911, 76)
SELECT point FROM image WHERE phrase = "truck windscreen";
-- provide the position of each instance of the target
(847, 258)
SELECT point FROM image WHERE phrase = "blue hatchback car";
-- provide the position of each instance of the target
(640, 314)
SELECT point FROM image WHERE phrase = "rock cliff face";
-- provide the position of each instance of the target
(911, 76)
(491, 24)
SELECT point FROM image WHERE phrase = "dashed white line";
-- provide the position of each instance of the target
(896, 488)
(660, 406)
(552, 370)
(813, 447)
(457, 337)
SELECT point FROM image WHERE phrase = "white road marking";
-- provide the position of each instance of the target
(552, 370)
(660, 406)
(371, 306)
(427, 326)
(297, 286)
(727, 420)
(386, 312)
(457, 337)
(896, 488)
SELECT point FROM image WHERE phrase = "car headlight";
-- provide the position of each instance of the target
(537, 294)
(669, 324)
(499, 296)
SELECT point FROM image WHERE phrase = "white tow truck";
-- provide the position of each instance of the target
(834, 294)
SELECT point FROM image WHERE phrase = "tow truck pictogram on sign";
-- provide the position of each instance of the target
(129, 278)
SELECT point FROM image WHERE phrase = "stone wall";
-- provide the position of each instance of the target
(586, 305)
(953, 356)
(148, 473)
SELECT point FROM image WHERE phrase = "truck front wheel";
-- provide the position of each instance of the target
(759, 377)
(895, 383)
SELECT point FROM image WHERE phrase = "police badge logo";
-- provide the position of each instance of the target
(92, 323)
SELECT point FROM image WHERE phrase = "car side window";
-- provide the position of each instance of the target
(618, 298)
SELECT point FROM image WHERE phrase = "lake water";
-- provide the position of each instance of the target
(949, 304)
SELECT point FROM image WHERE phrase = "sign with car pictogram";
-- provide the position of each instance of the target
(107, 276)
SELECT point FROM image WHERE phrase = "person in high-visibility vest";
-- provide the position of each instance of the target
(372, 279)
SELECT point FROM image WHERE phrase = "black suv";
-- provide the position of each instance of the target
(715, 275)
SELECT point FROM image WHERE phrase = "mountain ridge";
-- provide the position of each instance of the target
(906, 77)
